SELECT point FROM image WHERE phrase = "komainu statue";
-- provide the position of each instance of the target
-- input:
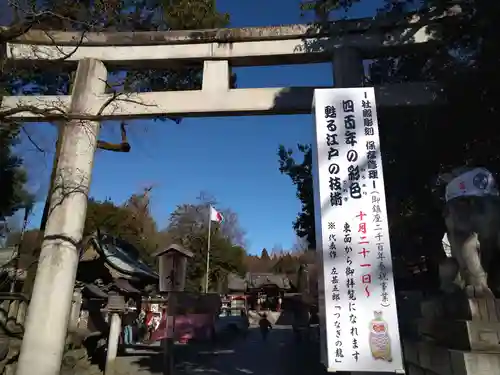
(472, 218)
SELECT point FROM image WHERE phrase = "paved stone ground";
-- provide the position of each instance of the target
(279, 355)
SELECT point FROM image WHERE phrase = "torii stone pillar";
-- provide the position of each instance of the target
(348, 70)
(49, 310)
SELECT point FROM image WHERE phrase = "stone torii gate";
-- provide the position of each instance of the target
(345, 45)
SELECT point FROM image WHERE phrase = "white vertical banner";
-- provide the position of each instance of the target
(358, 307)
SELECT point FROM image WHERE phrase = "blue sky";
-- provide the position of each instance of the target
(233, 158)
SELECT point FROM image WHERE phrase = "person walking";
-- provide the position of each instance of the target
(141, 327)
(264, 326)
(128, 333)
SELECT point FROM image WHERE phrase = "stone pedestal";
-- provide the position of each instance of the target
(456, 336)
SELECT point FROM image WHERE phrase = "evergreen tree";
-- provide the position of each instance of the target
(13, 176)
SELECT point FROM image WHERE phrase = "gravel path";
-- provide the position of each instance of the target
(279, 355)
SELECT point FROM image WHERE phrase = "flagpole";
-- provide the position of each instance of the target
(208, 248)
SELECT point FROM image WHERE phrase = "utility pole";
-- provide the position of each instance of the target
(49, 310)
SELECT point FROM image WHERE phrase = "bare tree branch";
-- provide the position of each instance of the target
(31, 140)
(65, 55)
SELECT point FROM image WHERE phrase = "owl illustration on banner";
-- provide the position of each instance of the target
(380, 342)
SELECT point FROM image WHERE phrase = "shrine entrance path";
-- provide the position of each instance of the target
(279, 355)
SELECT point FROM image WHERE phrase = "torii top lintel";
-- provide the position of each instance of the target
(243, 34)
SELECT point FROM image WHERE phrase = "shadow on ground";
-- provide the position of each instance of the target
(279, 355)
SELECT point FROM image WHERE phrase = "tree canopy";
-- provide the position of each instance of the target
(133, 222)
(13, 176)
(18, 17)
(417, 145)
(110, 15)
(300, 174)
(188, 226)
(90, 16)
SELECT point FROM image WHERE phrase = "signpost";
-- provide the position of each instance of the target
(173, 263)
(357, 297)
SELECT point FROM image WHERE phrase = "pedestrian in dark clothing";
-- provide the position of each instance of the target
(264, 326)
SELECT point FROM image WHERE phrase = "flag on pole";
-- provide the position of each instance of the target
(216, 215)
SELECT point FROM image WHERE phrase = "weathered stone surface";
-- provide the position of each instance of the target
(21, 312)
(415, 370)
(10, 369)
(232, 34)
(12, 315)
(442, 361)
(76, 362)
(459, 307)
(8, 363)
(409, 312)
(4, 347)
(462, 335)
(240, 102)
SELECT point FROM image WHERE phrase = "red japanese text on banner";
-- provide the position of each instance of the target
(357, 298)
